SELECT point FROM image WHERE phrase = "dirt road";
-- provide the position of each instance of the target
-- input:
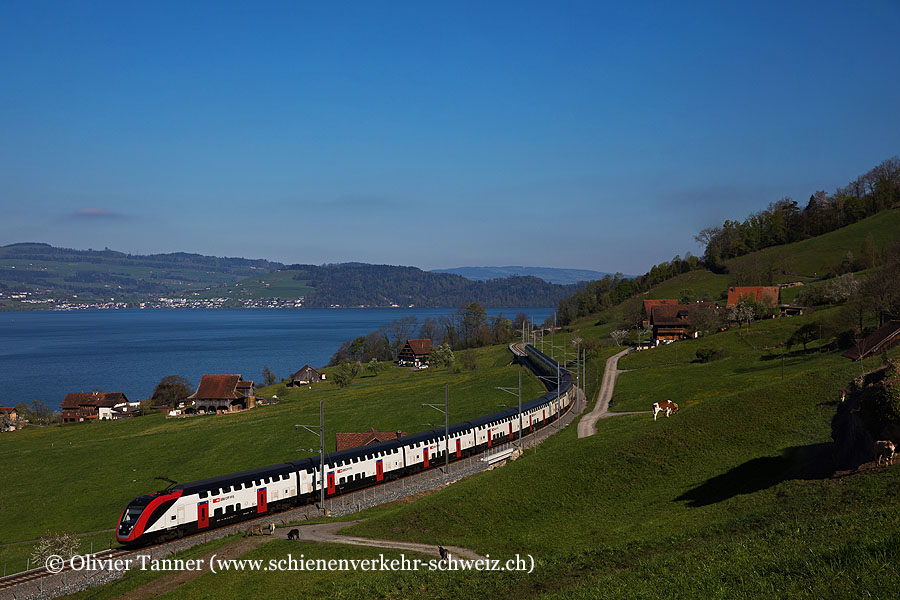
(588, 424)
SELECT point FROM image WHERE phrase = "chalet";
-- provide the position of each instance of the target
(354, 440)
(647, 309)
(764, 294)
(222, 394)
(671, 322)
(306, 375)
(415, 353)
(882, 339)
(89, 406)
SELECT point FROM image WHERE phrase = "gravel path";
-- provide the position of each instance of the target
(588, 424)
(328, 532)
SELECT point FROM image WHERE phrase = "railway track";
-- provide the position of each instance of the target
(106, 557)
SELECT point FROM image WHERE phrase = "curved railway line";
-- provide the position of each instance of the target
(520, 350)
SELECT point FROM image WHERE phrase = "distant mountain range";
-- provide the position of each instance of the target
(37, 275)
(549, 274)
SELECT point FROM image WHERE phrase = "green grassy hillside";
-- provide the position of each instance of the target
(79, 477)
(728, 498)
(807, 260)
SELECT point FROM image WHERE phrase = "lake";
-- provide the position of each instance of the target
(46, 354)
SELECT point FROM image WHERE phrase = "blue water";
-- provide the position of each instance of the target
(46, 354)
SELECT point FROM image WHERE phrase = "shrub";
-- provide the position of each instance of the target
(705, 355)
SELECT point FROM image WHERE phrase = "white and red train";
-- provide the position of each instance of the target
(228, 499)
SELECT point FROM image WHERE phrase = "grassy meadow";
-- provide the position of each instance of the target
(79, 477)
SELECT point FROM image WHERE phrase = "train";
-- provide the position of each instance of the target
(189, 508)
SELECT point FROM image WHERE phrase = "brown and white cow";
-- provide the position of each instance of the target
(884, 450)
(666, 406)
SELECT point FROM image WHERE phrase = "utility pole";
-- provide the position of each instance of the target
(321, 435)
(446, 411)
(519, 394)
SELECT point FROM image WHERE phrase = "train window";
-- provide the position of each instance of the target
(203, 494)
(239, 507)
(174, 517)
(217, 512)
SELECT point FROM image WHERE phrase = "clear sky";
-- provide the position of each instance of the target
(436, 134)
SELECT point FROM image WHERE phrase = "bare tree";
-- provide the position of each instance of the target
(399, 331)
(618, 335)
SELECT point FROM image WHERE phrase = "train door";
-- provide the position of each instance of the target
(379, 471)
(425, 456)
(490, 437)
(202, 515)
(458, 448)
(530, 423)
(510, 430)
(261, 504)
(180, 520)
(331, 482)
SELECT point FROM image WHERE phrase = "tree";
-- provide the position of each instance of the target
(399, 331)
(805, 334)
(705, 319)
(441, 356)
(58, 544)
(344, 374)
(268, 376)
(618, 335)
(171, 391)
(841, 288)
(374, 367)
(468, 359)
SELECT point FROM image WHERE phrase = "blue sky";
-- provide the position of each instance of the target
(568, 134)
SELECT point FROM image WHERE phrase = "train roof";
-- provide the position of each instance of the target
(232, 478)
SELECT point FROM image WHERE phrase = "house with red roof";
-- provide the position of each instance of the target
(415, 353)
(647, 309)
(671, 322)
(91, 406)
(764, 294)
(223, 394)
(365, 438)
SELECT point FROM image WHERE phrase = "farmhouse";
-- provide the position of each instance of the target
(365, 438)
(647, 309)
(223, 393)
(415, 353)
(306, 375)
(89, 406)
(672, 322)
(765, 294)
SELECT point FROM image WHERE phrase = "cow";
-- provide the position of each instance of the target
(666, 406)
(294, 534)
(445, 554)
(884, 450)
(271, 528)
(253, 530)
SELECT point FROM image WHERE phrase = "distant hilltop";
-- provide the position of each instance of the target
(548, 274)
